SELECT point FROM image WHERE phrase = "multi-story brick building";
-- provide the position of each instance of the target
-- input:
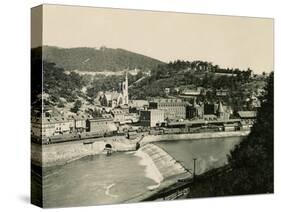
(152, 117)
(174, 109)
(101, 125)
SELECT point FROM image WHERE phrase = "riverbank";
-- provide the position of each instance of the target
(151, 195)
(195, 187)
(62, 153)
(191, 136)
(146, 172)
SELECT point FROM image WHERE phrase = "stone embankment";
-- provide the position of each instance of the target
(62, 153)
(191, 136)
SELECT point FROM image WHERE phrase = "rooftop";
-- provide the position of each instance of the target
(164, 100)
(247, 114)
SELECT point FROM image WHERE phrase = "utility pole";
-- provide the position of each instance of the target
(194, 168)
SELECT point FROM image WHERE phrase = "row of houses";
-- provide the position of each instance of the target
(105, 123)
(49, 126)
(157, 111)
(60, 125)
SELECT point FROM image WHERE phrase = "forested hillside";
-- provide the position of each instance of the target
(94, 60)
(239, 83)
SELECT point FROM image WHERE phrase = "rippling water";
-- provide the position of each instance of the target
(105, 180)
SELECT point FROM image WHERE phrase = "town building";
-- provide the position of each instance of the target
(210, 117)
(132, 118)
(210, 108)
(191, 92)
(136, 105)
(152, 117)
(222, 92)
(118, 115)
(132, 135)
(114, 98)
(101, 125)
(248, 118)
(167, 91)
(195, 110)
(36, 128)
(79, 122)
(174, 109)
(247, 115)
(51, 126)
(230, 126)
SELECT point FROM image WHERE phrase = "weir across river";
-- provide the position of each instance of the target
(127, 176)
(165, 163)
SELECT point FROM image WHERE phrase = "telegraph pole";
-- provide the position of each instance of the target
(194, 168)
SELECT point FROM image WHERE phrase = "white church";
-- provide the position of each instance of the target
(114, 99)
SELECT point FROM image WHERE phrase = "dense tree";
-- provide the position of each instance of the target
(36, 79)
(253, 158)
(76, 107)
(93, 59)
(251, 161)
(58, 84)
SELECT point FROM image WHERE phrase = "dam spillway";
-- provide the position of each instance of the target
(165, 163)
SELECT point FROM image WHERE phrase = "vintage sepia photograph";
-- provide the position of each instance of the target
(130, 106)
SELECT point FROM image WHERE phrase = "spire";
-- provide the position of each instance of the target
(125, 90)
(220, 108)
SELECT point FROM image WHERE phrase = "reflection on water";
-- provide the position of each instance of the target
(122, 176)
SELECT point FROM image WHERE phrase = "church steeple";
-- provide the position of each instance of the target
(125, 91)
(220, 111)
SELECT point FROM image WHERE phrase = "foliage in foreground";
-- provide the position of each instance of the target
(251, 161)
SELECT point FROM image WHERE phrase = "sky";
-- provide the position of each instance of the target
(228, 41)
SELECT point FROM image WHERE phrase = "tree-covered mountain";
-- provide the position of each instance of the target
(94, 60)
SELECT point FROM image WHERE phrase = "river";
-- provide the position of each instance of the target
(102, 179)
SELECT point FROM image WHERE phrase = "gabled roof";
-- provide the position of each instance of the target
(247, 114)
(112, 95)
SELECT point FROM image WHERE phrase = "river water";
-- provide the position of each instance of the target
(209, 153)
(112, 179)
